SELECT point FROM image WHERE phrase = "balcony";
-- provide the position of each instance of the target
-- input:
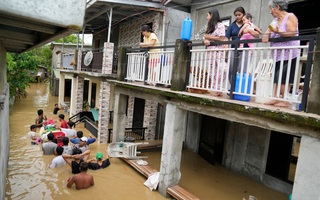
(189, 73)
(208, 71)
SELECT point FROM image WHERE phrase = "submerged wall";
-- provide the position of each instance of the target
(4, 123)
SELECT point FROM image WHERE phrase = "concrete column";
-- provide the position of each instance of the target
(78, 60)
(119, 117)
(90, 92)
(129, 120)
(174, 133)
(104, 112)
(193, 131)
(107, 61)
(61, 89)
(97, 97)
(307, 178)
(313, 105)
(180, 65)
(73, 98)
(79, 93)
(150, 119)
(122, 63)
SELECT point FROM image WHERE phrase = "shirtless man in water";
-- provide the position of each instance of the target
(82, 180)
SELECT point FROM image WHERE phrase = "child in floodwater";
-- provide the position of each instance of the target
(33, 135)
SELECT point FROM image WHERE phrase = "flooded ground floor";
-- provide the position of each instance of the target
(30, 178)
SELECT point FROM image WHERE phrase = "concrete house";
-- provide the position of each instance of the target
(273, 146)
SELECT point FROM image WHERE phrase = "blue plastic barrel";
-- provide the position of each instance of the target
(186, 29)
(243, 87)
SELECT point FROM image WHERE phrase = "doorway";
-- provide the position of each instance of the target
(307, 14)
(282, 156)
(93, 95)
(212, 138)
(138, 113)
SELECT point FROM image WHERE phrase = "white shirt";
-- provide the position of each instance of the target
(70, 133)
(57, 162)
(31, 134)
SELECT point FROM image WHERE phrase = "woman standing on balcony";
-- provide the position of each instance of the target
(150, 39)
(233, 34)
(216, 64)
(284, 25)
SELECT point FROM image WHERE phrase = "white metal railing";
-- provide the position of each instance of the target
(136, 66)
(159, 69)
(209, 70)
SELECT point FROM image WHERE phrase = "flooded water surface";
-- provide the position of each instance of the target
(30, 178)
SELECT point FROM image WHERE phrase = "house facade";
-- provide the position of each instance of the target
(273, 146)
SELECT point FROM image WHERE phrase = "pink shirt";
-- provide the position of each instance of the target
(283, 28)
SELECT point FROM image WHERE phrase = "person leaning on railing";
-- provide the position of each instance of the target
(284, 25)
(150, 39)
(215, 33)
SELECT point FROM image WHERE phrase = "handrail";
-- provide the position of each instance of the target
(142, 129)
(70, 118)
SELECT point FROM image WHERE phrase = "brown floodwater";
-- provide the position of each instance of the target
(29, 177)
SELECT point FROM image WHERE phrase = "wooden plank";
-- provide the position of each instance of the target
(145, 170)
(180, 194)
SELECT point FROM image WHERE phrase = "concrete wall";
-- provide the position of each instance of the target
(4, 123)
(193, 131)
(173, 21)
(307, 179)
(246, 149)
(130, 31)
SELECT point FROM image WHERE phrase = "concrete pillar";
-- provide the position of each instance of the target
(98, 94)
(174, 133)
(73, 98)
(61, 89)
(104, 112)
(193, 131)
(122, 63)
(79, 93)
(180, 65)
(313, 105)
(150, 119)
(107, 61)
(119, 118)
(307, 178)
(78, 59)
(129, 120)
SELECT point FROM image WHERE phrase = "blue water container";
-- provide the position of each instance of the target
(186, 29)
(242, 89)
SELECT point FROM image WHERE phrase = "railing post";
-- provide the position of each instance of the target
(146, 67)
(180, 65)
(122, 63)
(234, 70)
(313, 100)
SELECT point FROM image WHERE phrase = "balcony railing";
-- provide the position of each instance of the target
(151, 67)
(253, 70)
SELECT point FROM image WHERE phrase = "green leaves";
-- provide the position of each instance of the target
(21, 67)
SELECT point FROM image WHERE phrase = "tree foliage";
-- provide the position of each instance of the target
(69, 39)
(21, 67)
